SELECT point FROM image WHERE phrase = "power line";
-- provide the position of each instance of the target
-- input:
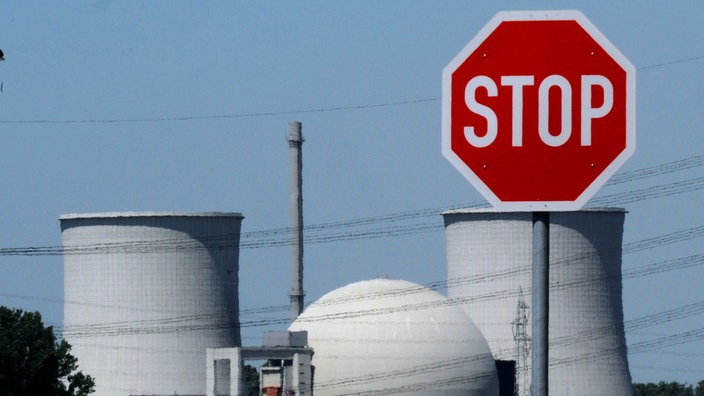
(640, 347)
(354, 229)
(205, 321)
(222, 116)
(657, 170)
(273, 113)
(181, 323)
(674, 62)
(659, 191)
(592, 356)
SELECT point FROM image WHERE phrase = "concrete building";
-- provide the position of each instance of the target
(146, 294)
(489, 258)
(287, 371)
(396, 338)
(151, 308)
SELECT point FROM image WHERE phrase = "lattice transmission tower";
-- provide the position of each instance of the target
(522, 344)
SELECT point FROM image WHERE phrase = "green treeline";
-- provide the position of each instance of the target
(663, 388)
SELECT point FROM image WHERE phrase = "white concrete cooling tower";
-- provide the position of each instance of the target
(146, 294)
(489, 272)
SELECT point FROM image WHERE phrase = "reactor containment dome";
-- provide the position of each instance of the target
(396, 338)
(146, 294)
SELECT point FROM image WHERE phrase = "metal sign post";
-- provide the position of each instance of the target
(540, 301)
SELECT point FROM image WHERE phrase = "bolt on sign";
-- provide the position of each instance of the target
(538, 110)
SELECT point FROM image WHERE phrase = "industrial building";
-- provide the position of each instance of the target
(489, 275)
(395, 337)
(151, 308)
(146, 294)
(287, 369)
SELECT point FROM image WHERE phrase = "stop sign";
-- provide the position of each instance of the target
(538, 110)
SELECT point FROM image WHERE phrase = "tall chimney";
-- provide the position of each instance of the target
(295, 141)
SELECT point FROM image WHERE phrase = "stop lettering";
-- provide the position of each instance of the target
(565, 99)
(538, 110)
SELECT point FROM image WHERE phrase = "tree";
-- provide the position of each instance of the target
(33, 363)
(700, 389)
(663, 388)
(251, 379)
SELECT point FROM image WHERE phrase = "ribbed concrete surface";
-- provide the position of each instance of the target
(393, 337)
(146, 294)
(489, 273)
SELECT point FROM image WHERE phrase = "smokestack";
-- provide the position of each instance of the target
(295, 141)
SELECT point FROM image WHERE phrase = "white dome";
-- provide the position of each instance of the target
(395, 336)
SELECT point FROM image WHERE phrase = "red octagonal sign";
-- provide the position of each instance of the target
(538, 110)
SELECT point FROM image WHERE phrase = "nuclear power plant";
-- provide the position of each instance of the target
(152, 308)
(149, 294)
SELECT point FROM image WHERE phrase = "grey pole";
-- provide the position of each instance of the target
(540, 283)
(295, 141)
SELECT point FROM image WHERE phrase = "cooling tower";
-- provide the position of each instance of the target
(489, 273)
(146, 294)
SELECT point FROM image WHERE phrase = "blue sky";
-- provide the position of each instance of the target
(184, 106)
